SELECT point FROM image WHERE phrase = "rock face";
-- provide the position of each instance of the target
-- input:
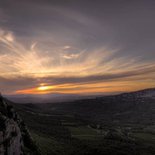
(14, 136)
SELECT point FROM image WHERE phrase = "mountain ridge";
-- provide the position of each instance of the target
(53, 98)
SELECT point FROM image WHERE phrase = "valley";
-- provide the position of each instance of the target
(119, 124)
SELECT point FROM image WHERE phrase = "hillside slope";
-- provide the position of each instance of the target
(134, 107)
(109, 125)
(14, 136)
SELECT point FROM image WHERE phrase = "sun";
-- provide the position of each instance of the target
(43, 88)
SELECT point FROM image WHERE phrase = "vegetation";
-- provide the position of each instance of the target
(114, 125)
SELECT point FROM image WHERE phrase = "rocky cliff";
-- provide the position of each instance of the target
(14, 136)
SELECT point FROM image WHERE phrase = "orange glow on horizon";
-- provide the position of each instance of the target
(95, 88)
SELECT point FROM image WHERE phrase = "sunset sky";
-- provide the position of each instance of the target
(76, 46)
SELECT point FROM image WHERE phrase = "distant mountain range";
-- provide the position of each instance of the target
(52, 98)
(143, 93)
(45, 98)
(134, 107)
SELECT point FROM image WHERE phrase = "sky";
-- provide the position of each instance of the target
(76, 46)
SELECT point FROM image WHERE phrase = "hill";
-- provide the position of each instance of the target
(109, 125)
(134, 107)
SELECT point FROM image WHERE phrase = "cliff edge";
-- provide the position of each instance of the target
(14, 136)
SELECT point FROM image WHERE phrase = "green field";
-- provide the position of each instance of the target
(84, 132)
(63, 134)
(147, 137)
(47, 145)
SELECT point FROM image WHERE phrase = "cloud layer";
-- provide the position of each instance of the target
(76, 46)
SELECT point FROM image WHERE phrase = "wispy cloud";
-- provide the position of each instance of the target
(25, 68)
(76, 48)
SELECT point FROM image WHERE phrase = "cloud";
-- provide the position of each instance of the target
(4, 18)
(70, 56)
(98, 83)
(24, 68)
(33, 61)
(67, 42)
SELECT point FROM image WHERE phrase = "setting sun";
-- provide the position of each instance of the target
(42, 88)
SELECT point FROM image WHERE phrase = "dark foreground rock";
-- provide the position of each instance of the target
(14, 136)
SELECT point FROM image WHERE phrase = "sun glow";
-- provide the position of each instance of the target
(44, 88)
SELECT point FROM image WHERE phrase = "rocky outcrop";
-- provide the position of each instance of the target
(14, 136)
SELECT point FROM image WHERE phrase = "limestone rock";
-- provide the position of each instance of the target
(14, 136)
